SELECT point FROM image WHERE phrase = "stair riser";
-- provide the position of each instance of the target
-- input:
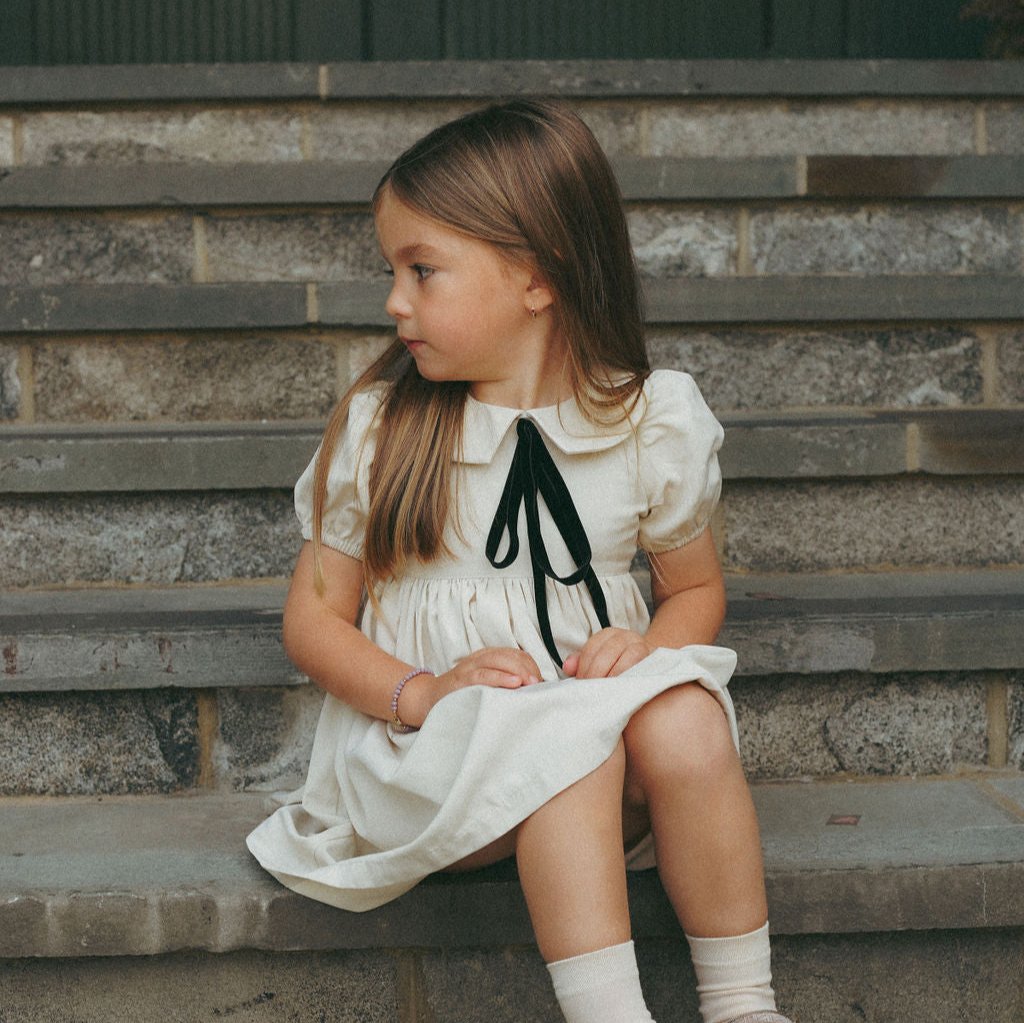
(165, 740)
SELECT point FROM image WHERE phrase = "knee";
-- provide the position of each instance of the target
(681, 736)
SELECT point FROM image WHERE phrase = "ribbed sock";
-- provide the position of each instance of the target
(734, 975)
(600, 987)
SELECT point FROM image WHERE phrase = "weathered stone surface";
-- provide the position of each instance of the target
(771, 128)
(147, 538)
(24, 924)
(746, 369)
(501, 986)
(82, 248)
(1010, 372)
(1005, 123)
(618, 126)
(6, 142)
(907, 724)
(184, 379)
(356, 131)
(1015, 753)
(265, 736)
(939, 976)
(299, 247)
(678, 242)
(98, 743)
(10, 383)
(246, 987)
(905, 239)
(233, 134)
(363, 350)
(799, 527)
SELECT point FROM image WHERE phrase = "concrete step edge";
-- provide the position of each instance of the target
(88, 308)
(93, 458)
(216, 636)
(145, 875)
(642, 179)
(418, 80)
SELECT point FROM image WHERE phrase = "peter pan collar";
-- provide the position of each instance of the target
(564, 425)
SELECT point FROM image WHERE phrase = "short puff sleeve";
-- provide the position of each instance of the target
(678, 441)
(344, 518)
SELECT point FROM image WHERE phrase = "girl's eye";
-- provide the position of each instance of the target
(421, 271)
(387, 271)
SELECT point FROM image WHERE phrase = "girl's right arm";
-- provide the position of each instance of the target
(323, 641)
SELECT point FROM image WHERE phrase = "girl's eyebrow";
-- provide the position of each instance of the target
(418, 250)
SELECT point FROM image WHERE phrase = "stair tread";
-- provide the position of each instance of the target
(840, 856)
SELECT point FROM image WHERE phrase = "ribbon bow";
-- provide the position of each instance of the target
(534, 472)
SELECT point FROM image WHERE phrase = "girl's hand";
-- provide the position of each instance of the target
(500, 667)
(608, 652)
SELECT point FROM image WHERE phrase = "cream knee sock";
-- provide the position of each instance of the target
(733, 975)
(600, 987)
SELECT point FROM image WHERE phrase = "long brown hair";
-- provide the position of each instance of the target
(529, 178)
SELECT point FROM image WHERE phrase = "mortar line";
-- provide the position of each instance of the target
(342, 366)
(801, 175)
(305, 135)
(412, 1006)
(981, 130)
(26, 371)
(312, 303)
(201, 267)
(997, 697)
(208, 723)
(322, 81)
(989, 365)
(913, 438)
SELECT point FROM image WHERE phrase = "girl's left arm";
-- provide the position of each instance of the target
(689, 607)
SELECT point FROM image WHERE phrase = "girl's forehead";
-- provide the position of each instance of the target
(400, 227)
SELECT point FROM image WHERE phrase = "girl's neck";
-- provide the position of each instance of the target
(535, 378)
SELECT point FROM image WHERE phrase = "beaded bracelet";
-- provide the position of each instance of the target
(396, 722)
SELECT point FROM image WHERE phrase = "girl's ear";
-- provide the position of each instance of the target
(538, 295)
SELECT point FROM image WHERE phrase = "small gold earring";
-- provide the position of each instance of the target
(533, 312)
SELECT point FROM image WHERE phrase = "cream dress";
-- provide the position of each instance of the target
(381, 810)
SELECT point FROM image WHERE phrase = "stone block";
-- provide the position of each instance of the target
(773, 369)
(903, 239)
(10, 383)
(905, 724)
(1010, 367)
(83, 248)
(153, 538)
(293, 247)
(23, 924)
(363, 131)
(939, 976)
(98, 743)
(265, 736)
(184, 379)
(363, 350)
(917, 522)
(680, 242)
(1005, 124)
(773, 128)
(617, 126)
(6, 142)
(246, 987)
(494, 986)
(1015, 753)
(169, 135)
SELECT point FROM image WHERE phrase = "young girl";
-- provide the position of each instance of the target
(482, 490)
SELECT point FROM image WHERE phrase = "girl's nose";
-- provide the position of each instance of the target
(396, 306)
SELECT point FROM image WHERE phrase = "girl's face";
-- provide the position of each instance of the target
(462, 309)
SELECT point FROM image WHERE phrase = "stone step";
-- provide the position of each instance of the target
(405, 80)
(923, 878)
(54, 459)
(642, 179)
(138, 690)
(794, 299)
(210, 636)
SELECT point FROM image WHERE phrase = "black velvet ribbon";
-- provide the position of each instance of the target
(534, 472)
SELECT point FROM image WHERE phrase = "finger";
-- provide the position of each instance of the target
(511, 661)
(571, 664)
(631, 655)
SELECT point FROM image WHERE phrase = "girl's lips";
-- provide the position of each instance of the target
(411, 343)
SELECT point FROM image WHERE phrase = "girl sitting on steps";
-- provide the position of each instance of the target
(495, 686)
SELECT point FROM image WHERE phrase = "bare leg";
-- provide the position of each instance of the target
(572, 868)
(682, 764)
